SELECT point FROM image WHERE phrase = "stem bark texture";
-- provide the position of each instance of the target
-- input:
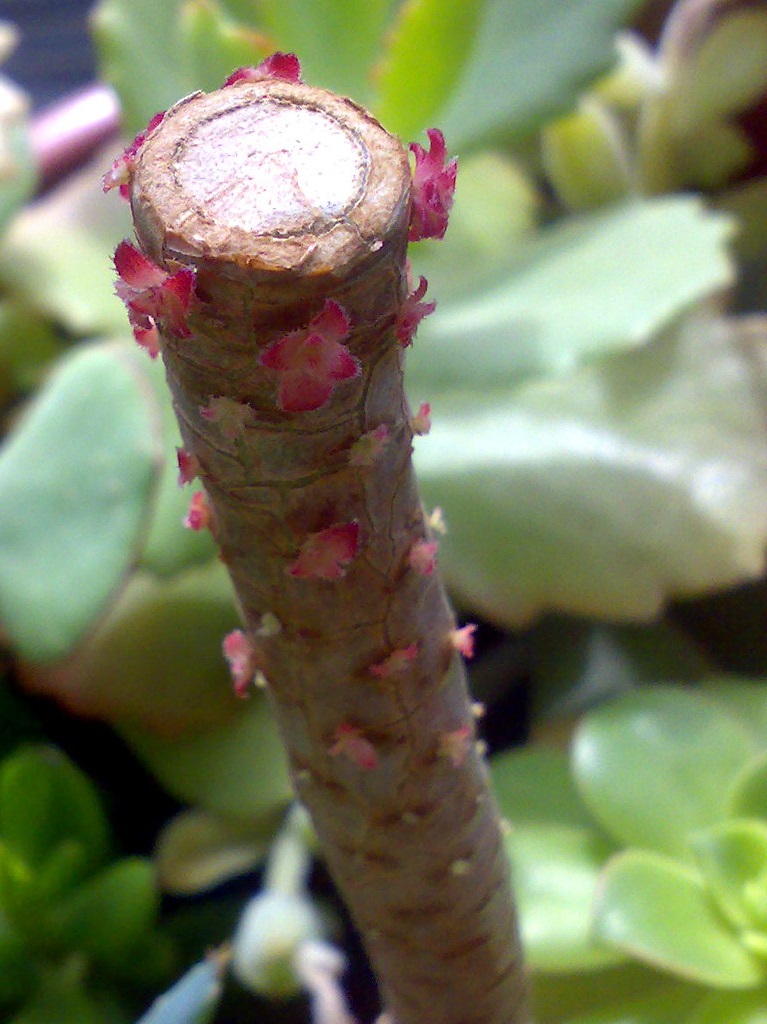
(282, 197)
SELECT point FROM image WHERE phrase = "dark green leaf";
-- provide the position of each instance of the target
(47, 803)
(110, 915)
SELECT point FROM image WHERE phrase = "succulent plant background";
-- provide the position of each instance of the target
(584, 349)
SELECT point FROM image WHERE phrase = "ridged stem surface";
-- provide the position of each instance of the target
(282, 197)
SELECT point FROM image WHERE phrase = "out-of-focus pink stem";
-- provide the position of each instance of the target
(66, 133)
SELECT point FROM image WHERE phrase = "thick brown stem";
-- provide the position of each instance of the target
(282, 197)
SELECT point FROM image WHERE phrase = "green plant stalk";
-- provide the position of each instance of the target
(359, 653)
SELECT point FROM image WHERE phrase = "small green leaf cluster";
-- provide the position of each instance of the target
(641, 861)
(78, 927)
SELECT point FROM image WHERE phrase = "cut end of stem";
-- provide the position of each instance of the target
(270, 175)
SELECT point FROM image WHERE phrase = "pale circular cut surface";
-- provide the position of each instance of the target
(273, 168)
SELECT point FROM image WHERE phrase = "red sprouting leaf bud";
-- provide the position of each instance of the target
(311, 361)
(150, 294)
(423, 557)
(455, 745)
(324, 555)
(240, 654)
(367, 448)
(188, 466)
(396, 662)
(200, 514)
(412, 313)
(279, 65)
(421, 422)
(348, 740)
(462, 640)
(148, 338)
(118, 175)
(232, 417)
(433, 188)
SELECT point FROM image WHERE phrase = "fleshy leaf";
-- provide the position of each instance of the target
(747, 795)
(153, 53)
(556, 869)
(585, 159)
(319, 30)
(112, 913)
(732, 857)
(45, 803)
(155, 657)
(744, 699)
(236, 769)
(653, 765)
(638, 478)
(71, 281)
(197, 850)
(429, 46)
(537, 54)
(581, 289)
(659, 911)
(732, 1008)
(534, 786)
(76, 477)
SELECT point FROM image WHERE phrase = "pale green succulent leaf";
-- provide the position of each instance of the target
(605, 491)
(76, 475)
(531, 60)
(659, 911)
(747, 795)
(197, 850)
(155, 656)
(580, 289)
(534, 786)
(725, 74)
(732, 857)
(56, 255)
(156, 53)
(652, 766)
(556, 870)
(744, 699)
(586, 158)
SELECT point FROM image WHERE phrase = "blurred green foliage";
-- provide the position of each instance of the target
(78, 928)
(598, 449)
(641, 859)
